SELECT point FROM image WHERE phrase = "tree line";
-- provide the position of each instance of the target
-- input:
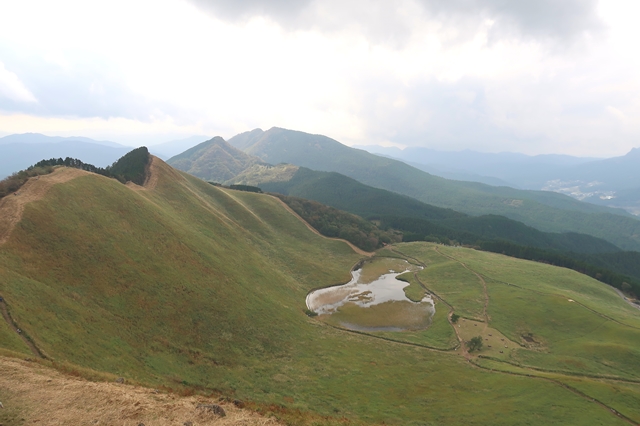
(335, 223)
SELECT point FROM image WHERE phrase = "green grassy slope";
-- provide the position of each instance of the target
(579, 325)
(546, 211)
(11, 340)
(188, 284)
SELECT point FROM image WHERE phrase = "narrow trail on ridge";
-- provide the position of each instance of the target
(11, 211)
(12, 206)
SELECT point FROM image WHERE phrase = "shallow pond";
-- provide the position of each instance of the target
(374, 300)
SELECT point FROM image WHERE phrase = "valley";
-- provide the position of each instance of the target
(188, 287)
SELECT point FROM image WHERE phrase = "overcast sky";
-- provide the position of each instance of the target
(532, 76)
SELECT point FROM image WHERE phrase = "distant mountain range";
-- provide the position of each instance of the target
(612, 182)
(515, 169)
(37, 138)
(543, 210)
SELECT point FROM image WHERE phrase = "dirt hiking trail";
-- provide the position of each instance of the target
(12, 206)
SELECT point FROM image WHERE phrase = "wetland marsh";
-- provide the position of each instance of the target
(374, 299)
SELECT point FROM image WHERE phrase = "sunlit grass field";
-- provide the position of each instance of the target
(190, 286)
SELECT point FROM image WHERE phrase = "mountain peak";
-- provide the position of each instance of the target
(213, 160)
(245, 140)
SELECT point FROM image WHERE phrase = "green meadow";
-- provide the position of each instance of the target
(192, 287)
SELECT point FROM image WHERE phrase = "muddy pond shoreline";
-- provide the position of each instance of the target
(373, 300)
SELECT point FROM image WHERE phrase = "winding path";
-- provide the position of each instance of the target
(11, 211)
(12, 324)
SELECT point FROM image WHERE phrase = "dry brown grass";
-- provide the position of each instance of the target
(43, 396)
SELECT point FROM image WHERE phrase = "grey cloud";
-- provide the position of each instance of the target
(279, 10)
(444, 116)
(540, 18)
(383, 21)
(514, 114)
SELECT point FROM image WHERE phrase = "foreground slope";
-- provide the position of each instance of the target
(32, 393)
(546, 211)
(186, 285)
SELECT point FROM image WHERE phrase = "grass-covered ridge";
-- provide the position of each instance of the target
(185, 284)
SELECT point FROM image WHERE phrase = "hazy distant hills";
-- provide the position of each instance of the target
(18, 152)
(214, 160)
(514, 169)
(544, 210)
(37, 138)
(612, 182)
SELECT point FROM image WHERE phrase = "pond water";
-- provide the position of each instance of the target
(374, 300)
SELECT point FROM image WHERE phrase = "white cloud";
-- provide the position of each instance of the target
(12, 88)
